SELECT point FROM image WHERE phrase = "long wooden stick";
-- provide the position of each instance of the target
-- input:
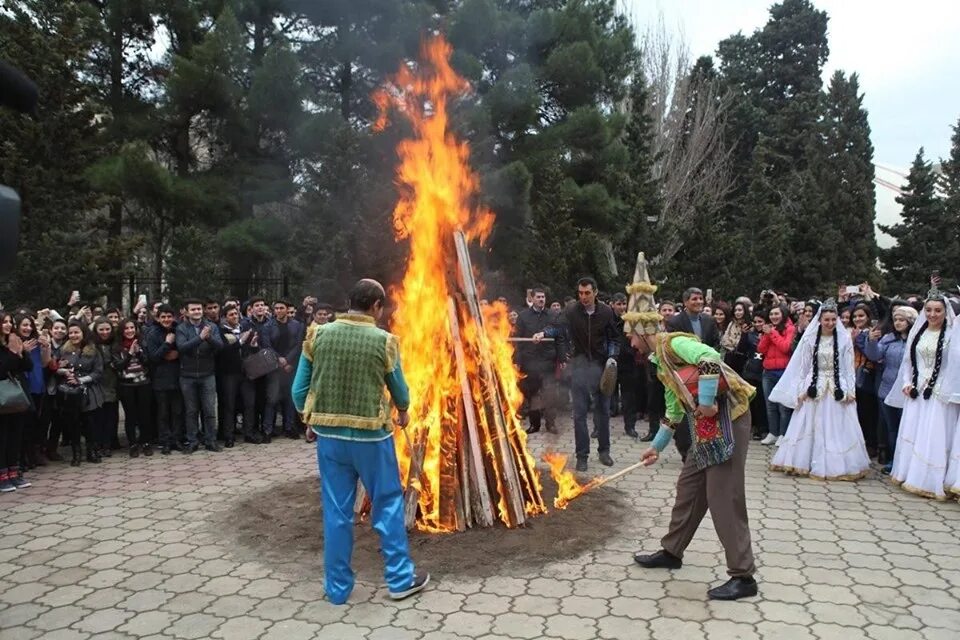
(529, 340)
(618, 474)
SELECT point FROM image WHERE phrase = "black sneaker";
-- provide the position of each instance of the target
(213, 447)
(582, 465)
(419, 582)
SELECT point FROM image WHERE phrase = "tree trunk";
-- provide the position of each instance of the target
(115, 226)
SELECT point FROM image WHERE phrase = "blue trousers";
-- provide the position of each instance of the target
(341, 463)
(585, 387)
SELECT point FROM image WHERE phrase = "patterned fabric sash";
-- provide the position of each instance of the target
(712, 437)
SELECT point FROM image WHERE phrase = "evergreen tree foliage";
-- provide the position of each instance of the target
(925, 239)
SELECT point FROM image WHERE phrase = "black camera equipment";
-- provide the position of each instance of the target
(18, 92)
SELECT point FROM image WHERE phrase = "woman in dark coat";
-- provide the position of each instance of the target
(15, 362)
(81, 371)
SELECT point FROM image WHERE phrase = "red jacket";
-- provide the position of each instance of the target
(775, 347)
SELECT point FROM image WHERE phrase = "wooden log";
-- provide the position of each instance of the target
(361, 506)
(462, 461)
(411, 495)
(479, 493)
(513, 494)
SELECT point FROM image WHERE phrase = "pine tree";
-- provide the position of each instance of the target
(950, 183)
(925, 241)
(45, 157)
(844, 172)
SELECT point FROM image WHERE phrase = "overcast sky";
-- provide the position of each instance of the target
(907, 54)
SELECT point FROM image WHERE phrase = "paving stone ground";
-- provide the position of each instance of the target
(122, 550)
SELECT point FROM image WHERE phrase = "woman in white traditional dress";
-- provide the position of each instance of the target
(950, 388)
(924, 391)
(824, 439)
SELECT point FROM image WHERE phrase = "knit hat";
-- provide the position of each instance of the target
(642, 317)
(907, 312)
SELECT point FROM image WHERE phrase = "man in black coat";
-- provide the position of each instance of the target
(692, 320)
(591, 328)
(538, 362)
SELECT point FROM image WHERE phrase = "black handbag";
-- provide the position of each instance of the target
(13, 399)
(260, 364)
(71, 389)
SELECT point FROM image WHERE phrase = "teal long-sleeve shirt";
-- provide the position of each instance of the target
(396, 385)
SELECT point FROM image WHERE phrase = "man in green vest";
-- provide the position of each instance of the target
(339, 390)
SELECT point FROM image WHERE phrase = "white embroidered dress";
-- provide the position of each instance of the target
(824, 439)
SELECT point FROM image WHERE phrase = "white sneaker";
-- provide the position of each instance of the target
(779, 440)
(769, 439)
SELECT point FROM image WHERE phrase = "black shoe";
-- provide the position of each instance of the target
(648, 437)
(106, 452)
(532, 430)
(228, 444)
(734, 589)
(267, 438)
(75, 460)
(97, 456)
(91, 455)
(292, 435)
(254, 439)
(419, 582)
(581, 465)
(134, 451)
(660, 560)
(632, 433)
(147, 450)
(594, 434)
(606, 460)
(165, 450)
(190, 448)
(552, 428)
(213, 447)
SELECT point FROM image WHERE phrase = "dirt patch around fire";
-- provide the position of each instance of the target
(283, 525)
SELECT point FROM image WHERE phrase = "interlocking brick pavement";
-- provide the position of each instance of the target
(122, 550)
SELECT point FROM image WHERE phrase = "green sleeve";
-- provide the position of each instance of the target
(674, 412)
(693, 351)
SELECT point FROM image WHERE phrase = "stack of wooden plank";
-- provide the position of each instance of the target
(485, 473)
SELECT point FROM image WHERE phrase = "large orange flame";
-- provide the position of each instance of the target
(567, 486)
(438, 193)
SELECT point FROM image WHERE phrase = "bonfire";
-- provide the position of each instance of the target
(464, 457)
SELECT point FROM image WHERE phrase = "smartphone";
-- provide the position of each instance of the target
(142, 299)
(852, 289)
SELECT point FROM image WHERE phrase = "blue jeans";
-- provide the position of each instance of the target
(778, 416)
(890, 423)
(341, 463)
(585, 387)
(200, 401)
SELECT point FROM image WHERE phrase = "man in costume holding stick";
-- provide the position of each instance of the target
(339, 389)
(716, 402)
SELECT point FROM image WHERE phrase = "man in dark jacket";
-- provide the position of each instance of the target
(594, 338)
(198, 341)
(692, 320)
(262, 392)
(631, 374)
(286, 337)
(165, 378)
(230, 371)
(538, 362)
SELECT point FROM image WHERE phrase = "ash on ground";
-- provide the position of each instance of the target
(283, 525)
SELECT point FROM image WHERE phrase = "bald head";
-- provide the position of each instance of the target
(368, 296)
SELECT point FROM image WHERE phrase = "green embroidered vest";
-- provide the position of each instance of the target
(350, 358)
